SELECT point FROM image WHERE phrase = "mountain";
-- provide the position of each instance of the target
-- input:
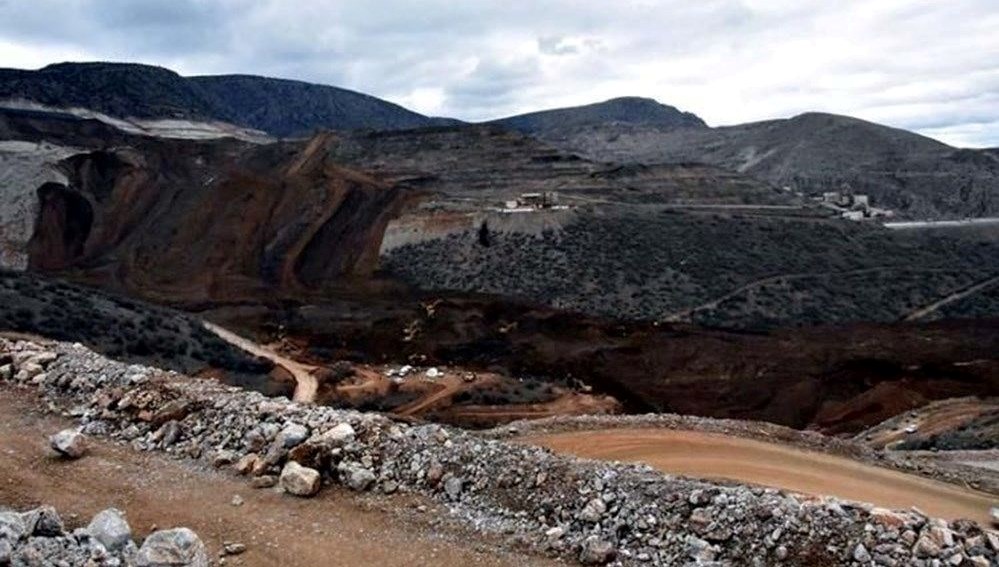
(914, 175)
(287, 108)
(122, 90)
(276, 106)
(625, 110)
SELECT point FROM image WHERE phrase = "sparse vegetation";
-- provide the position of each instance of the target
(660, 264)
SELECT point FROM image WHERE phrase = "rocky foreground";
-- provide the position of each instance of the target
(593, 512)
(38, 537)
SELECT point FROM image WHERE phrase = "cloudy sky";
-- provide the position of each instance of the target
(925, 65)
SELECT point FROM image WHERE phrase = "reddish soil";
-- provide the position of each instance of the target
(335, 528)
(713, 456)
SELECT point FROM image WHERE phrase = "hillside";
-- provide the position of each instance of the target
(625, 110)
(913, 175)
(278, 107)
(288, 108)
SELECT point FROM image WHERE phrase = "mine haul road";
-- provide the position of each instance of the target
(715, 456)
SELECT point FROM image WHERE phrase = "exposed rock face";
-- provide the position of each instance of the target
(228, 218)
(519, 490)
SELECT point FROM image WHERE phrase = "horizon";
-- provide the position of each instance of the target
(727, 61)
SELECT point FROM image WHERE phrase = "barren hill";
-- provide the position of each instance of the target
(916, 176)
(624, 110)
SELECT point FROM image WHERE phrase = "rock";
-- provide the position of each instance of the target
(926, 547)
(223, 458)
(43, 521)
(172, 548)
(299, 480)
(861, 554)
(237, 500)
(69, 443)
(596, 551)
(435, 472)
(593, 510)
(433, 372)
(233, 548)
(246, 464)
(293, 434)
(12, 526)
(265, 481)
(111, 529)
(339, 435)
(452, 487)
(994, 513)
(167, 434)
(5, 552)
(357, 477)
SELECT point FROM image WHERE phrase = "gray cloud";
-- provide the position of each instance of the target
(917, 64)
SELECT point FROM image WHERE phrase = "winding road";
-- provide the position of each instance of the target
(957, 296)
(715, 456)
(306, 384)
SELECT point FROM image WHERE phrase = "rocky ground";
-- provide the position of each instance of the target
(39, 537)
(592, 512)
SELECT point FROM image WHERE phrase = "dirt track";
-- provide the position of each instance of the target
(306, 384)
(715, 456)
(335, 528)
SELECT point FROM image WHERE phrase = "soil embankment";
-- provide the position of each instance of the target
(714, 456)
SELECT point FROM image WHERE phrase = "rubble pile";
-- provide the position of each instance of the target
(39, 537)
(593, 512)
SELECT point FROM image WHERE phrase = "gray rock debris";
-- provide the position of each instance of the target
(576, 509)
(37, 537)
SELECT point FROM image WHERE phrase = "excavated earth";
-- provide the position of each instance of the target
(564, 507)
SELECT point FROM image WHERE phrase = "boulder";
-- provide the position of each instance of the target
(69, 443)
(299, 480)
(111, 529)
(172, 548)
(593, 510)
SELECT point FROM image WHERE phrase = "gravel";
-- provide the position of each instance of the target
(593, 512)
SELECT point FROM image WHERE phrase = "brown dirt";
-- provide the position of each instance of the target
(713, 456)
(335, 528)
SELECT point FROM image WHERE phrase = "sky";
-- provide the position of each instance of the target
(926, 65)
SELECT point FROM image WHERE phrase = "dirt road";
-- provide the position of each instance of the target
(306, 384)
(715, 456)
(336, 528)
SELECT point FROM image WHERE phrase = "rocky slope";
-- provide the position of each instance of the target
(583, 510)
(279, 107)
(915, 176)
